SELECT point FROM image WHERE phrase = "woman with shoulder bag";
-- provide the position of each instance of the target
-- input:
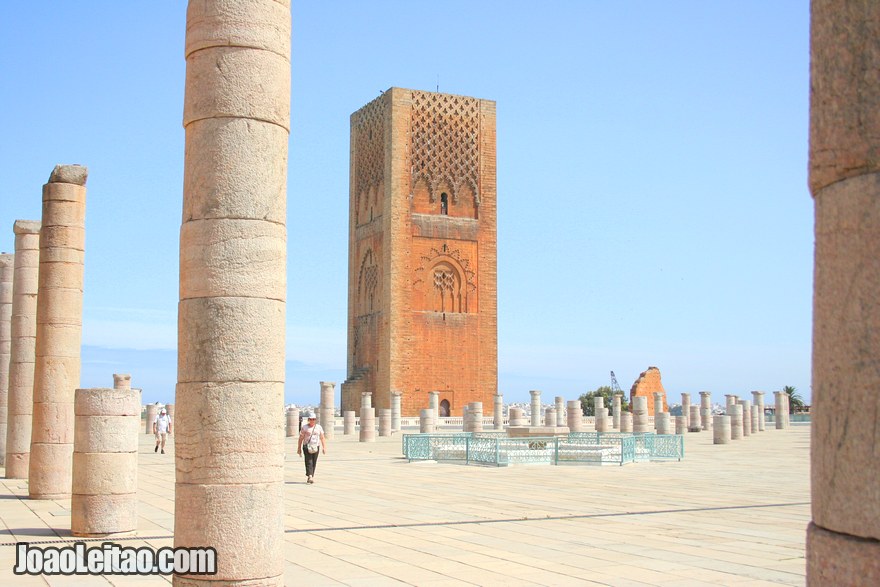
(311, 438)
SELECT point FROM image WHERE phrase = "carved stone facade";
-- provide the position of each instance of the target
(422, 251)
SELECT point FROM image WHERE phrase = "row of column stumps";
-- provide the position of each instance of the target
(229, 464)
(58, 332)
(22, 348)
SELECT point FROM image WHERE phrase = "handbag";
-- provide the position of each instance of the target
(314, 444)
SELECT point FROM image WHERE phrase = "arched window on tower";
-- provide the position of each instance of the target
(444, 203)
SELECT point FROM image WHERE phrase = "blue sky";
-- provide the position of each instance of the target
(652, 198)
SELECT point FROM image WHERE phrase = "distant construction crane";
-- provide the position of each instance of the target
(615, 387)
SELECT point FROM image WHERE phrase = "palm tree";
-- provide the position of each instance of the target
(794, 398)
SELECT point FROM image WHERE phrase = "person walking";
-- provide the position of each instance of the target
(161, 428)
(311, 438)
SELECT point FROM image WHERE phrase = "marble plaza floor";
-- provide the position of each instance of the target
(727, 515)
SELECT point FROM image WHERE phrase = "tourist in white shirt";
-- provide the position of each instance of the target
(311, 437)
(161, 428)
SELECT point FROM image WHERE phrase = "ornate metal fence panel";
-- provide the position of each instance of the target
(526, 450)
(667, 446)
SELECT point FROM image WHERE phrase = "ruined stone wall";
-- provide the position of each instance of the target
(646, 385)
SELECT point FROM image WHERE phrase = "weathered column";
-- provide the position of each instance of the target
(662, 422)
(327, 411)
(169, 409)
(787, 410)
(475, 410)
(515, 416)
(686, 407)
(706, 410)
(59, 332)
(426, 421)
(536, 407)
(640, 414)
(778, 416)
(626, 422)
(658, 403)
(756, 419)
(395, 411)
(694, 422)
(720, 429)
(730, 399)
(22, 347)
(575, 416)
(616, 401)
(231, 316)
(759, 401)
(465, 420)
(385, 422)
(151, 413)
(598, 403)
(104, 489)
(560, 410)
(121, 381)
(680, 424)
(348, 422)
(747, 416)
(7, 270)
(735, 411)
(367, 431)
(292, 423)
(550, 417)
(498, 412)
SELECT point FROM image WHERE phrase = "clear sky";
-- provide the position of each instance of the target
(652, 197)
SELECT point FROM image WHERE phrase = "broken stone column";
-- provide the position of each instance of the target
(104, 488)
(695, 421)
(151, 413)
(780, 410)
(598, 403)
(626, 421)
(515, 416)
(395, 411)
(475, 411)
(291, 423)
(560, 410)
(434, 405)
(59, 332)
(349, 419)
(327, 411)
(426, 421)
(686, 407)
(498, 412)
(746, 406)
(658, 403)
(7, 270)
(640, 414)
(367, 432)
(169, 409)
(680, 424)
(233, 283)
(720, 429)
(616, 410)
(575, 416)
(22, 348)
(729, 400)
(550, 417)
(121, 381)
(758, 397)
(706, 410)
(536, 407)
(735, 411)
(465, 421)
(787, 410)
(385, 422)
(662, 423)
(756, 418)
(601, 420)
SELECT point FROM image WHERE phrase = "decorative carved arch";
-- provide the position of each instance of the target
(367, 285)
(446, 280)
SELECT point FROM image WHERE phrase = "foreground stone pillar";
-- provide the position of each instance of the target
(695, 421)
(662, 423)
(327, 412)
(575, 416)
(233, 261)
(746, 407)
(536, 407)
(779, 415)
(601, 419)
(616, 401)
(498, 412)
(626, 422)
(843, 541)
(292, 423)
(121, 381)
(640, 414)
(7, 270)
(59, 332)
(721, 429)
(104, 499)
(395, 411)
(735, 411)
(151, 413)
(560, 410)
(348, 422)
(706, 410)
(426, 421)
(758, 400)
(22, 347)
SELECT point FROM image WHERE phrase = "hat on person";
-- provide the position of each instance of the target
(309, 415)
(162, 411)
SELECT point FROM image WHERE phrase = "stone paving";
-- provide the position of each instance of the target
(727, 515)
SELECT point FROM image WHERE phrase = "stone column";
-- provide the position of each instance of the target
(395, 411)
(465, 420)
(662, 423)
(575, 416)
(104, 488)
(327, 411)
(121, 381)
(686, 408)
(759, 401)
(680, 424)
(626, 422)
(426, 421)
(735, 411)
(434, 403)
(694, 422)
(640, 414)
(746, 406)
(7, 270)
(169, 409)
(560, 410)
(292, 422)
(598, 403)
(385, 422)
(706, 410)
(368, 419)
(536, 407)
(730, 400)
(780, 410)
(498, 412)
(23, 328)
(233, 273)
(550, 417)
(601, 424)
(616, 401)
(348, 422)
(658, 403)
(720, 429)
(514, 416)
(59, 332)
(151, 413)
(756, 419)
(787, 410)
